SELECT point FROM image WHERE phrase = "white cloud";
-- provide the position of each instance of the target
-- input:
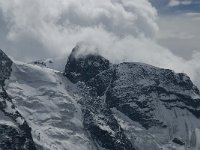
(123, 30)
(173, 3)
(59, 23)
(180, 33)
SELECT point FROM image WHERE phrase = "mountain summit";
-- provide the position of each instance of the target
(82, 68)
(151, 105)
(97, 105)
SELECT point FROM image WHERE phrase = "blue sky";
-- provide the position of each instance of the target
(163, 6)
(179, 21)
(179, 31)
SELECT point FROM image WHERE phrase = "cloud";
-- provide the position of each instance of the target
(58, 24)
(122, 30)
(180, 33)
(173, 3)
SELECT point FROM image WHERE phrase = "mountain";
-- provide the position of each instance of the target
(154, 108)
(15, 133)
(96, 105)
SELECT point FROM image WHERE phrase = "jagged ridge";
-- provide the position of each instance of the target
(151, 96)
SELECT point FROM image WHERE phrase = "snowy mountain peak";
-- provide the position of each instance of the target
(150, 99)
(127, 106)
(83, 67)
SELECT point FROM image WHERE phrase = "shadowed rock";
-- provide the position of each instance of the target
(151, 96)
(83, 68)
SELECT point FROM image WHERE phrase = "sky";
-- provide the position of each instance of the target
(162, 33)
(179, 22)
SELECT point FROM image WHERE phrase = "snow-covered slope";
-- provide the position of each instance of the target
(14, 130)
(57, 63)
(48, 101)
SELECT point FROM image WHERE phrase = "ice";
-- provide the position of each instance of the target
(5, 120)
(9, 108)
(47, 101)
(20, 121)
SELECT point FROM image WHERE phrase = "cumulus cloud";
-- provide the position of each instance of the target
(121, 30)
(59, 24)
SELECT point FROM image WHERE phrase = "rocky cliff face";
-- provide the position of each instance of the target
(14, 130)
(5, 67)
(85, 67)
(137, 106)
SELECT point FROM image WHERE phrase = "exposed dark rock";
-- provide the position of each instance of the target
(178, 141)
(5, 67)
(100, 122)
(40, 63)
(136, 90)
(13, 139)
(83, 68)
(102, 81)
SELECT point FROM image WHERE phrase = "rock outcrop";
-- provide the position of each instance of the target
(135, 105)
